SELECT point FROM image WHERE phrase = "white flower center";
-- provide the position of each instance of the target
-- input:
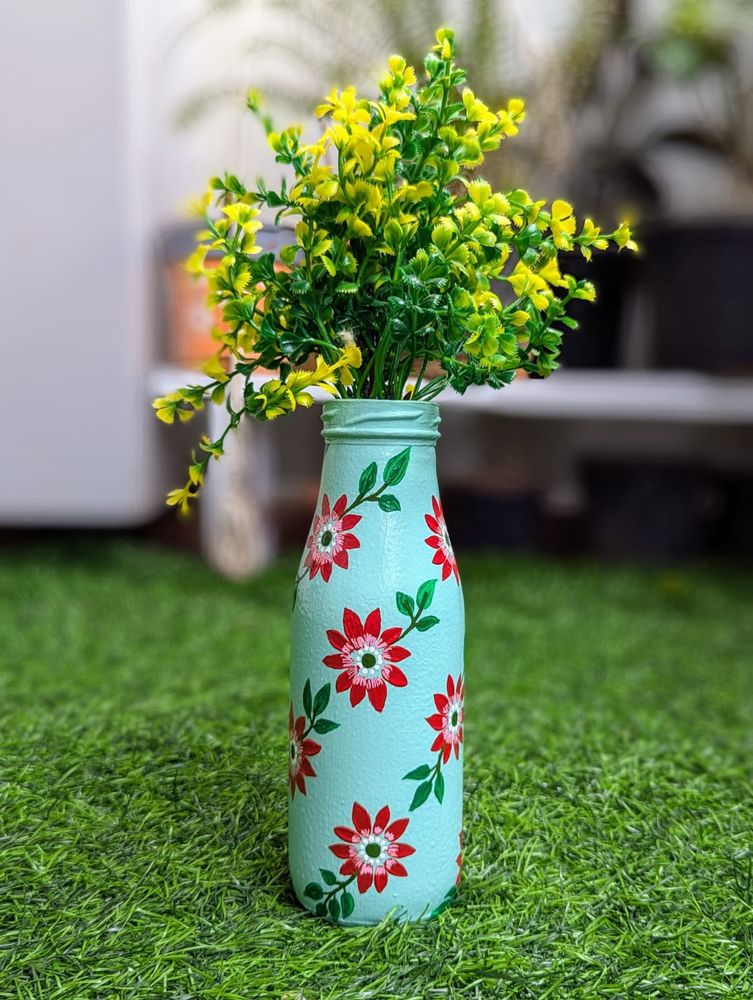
(373, 849)
(327, 536)
(454, 719)
(368, 660)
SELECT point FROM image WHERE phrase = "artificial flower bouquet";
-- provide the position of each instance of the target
(407, 274)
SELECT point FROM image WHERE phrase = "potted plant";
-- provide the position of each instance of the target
(396, 245)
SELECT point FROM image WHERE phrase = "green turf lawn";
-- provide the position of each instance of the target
(609, 815)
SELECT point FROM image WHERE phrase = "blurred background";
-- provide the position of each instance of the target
(115, 115)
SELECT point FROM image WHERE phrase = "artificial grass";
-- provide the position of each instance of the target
(609, 816)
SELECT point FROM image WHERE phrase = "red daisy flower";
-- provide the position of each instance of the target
(300, 750)
(448, 719)
(371, 850)
(367, 658)
(440, 540)
(330, 539)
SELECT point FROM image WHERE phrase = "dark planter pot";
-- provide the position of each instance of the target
(736, 528)
(485, 520)
(695, 284)
(649, 511)
(597, 341)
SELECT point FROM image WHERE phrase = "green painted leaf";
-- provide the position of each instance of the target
(426, 623)
(348, 904)
(418, 773)
(323, 726)
(404, 604)
(425, 594)
(334, 908)
(395, 469)
(313, 890)
(307, 697)
(367, 482)
(322, 699)
(321, 910)
(388, 502)
(328, 877)
(421, 794)
(439, 786)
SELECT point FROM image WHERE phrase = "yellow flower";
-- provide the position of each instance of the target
(587, 292)
(590, 236)
(479, 191)
(519, 318)
(476, 110)
(445, 47)
(166, 407)
(390, 115)
(622, 237)
(529, 285)
(350, 358)
(550, 272)
(180, 498)
(402, 75)
(215, 370)
(510, 117)
(562, 224)
(195, 264)
(345, 108)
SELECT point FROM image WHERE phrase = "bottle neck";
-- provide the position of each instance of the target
(401, 423)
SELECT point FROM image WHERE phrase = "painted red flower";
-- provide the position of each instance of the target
(459, 861)
(440, 540)
(300, 750)
(330, 539)
(372, 850)
(367, 658)
(448, 719)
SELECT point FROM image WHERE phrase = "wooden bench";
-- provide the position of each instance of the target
(237, 538)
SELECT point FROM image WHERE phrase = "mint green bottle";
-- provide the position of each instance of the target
(376, 715)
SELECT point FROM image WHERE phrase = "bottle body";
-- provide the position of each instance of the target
(376, 716)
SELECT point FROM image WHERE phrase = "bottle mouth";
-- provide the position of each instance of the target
(412, 422)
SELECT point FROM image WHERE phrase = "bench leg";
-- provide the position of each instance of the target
(237, 536)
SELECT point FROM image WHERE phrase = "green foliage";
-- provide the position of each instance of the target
(405, 261)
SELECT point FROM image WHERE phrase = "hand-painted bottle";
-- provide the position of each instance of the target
(376, 715)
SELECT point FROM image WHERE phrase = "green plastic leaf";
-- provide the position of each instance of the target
(313, 890)
(367, 482)
(322, 699)
(334, 908)
(348, 904)
(388, 502)
(328, 877)
(426, 623)
(307, 697)
(418, 773)
(439, 786)
(323, 726)
(347, 287)
(404, 604)
(425, 594)
(422, 793)
(395, 469)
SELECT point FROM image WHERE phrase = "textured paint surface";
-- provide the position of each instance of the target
(376, 676)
